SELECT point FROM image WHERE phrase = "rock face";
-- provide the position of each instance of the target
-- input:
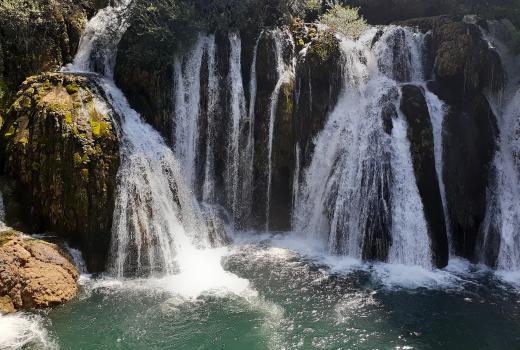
(37, 36)
(319, 80)
(34, 274)
(420, 134)
(469, 143)
(464, 67)
(464, 64)
(62, 147)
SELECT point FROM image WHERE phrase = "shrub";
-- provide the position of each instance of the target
(345, 20)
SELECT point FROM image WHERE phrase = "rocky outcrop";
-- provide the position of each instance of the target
(464, 63)
(319, 80)
(62, 147)
(37, 36)
(420, 134)
(464, 66)
(34, 273)
(469, 143)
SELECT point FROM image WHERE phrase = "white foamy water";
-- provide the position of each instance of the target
(355, 162)
(410, 240)
(23, 330)
(159, 228)
(187, 70)
(503, 207)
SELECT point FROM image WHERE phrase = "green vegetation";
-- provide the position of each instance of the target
(344, 19)
(100, 128)
(325, 46)
(72, 89)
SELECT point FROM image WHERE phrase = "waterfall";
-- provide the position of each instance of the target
(410, 240)
(502, 222)
(360, 186)
(156, 215)
(187, 69)
(98, 44)
(507, 164)
(190, 114)
(285, 73)
(438, 111)
(208, 188)
(237, 160)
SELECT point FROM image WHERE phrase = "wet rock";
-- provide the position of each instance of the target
(469, 144)
(319, 80)
(267, 77)
(40, 35)
(61, 144)
(34, 273)
(464, 63)
(420, 134)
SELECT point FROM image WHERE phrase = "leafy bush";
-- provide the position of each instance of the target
(344, 19)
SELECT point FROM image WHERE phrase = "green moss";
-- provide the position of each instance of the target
(80, 160)
(72, 89)
(47, 84)
(99, 129)
(68, 118)
(26, 103)
(325, 46)
(23, 140)
(77, 159)
(29, 91)
(10, 131)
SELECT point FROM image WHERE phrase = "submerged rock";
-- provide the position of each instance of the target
(34, 273)
(61, 145)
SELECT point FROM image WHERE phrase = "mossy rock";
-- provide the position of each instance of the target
(61, 145)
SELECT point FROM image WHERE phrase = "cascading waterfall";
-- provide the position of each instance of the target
(156, 215)
(401, 50)
(187, 104)
(98, 45)
(240, 155)
(285, 73)
(438, 111)
(208, 187)
(361, 179)
(503, 209)
(239, 139)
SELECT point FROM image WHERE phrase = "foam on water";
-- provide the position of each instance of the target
(23, 330)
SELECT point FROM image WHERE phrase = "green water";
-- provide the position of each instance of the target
(294, 303)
